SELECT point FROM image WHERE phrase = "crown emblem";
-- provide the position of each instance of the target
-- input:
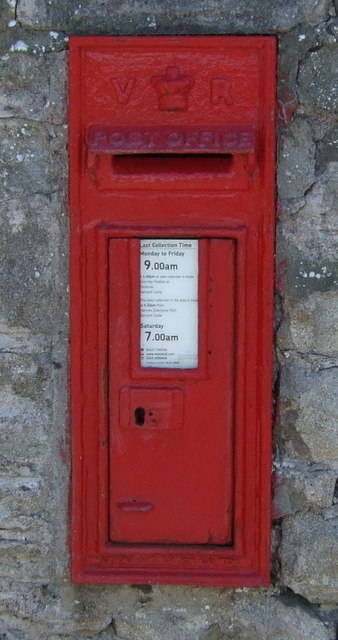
(173, 89)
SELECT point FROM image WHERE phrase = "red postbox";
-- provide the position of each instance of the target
(172, 229)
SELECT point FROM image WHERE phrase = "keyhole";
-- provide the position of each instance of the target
(139, 416)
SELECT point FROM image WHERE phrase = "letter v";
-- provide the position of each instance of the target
(123, 90)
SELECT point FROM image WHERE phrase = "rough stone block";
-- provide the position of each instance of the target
(29, 463)
(150, 16)
(48, 609)
(317, 90)
(308, 555)
(307, 241)
(17, 40)
(27, 375)
(296, 168)
(33, 158)
(33, 87)
(20, 340)
(26, 535)
(308, 413)
(156, 613)
(327, 151)
(310, 324)
(22, 421)
(191, 614)
(25, 410)
(291, 47)
(30, 262)
(298, 487)
(7, 12)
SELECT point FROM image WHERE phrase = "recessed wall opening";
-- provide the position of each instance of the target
(173, 163)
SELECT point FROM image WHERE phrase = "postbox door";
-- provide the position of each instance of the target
(171, 429)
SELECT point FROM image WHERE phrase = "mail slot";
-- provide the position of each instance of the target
(172, 230)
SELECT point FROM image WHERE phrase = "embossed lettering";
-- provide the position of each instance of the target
(136, 139)
(220, 91)
(231, 138)
(207, 139)
(123, 89)
(116, 139)
(175, 140)
(107, 139)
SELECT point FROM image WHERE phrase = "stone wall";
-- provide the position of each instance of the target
(37, 599)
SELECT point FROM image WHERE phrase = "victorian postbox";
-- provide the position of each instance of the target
(172, 228)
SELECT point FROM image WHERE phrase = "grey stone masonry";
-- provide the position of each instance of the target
(38, 601)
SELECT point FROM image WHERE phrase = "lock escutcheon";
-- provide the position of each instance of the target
(151, 408)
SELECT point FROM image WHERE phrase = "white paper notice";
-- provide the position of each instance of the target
(169, 303)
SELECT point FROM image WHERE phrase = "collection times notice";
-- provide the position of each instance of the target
(169, 303)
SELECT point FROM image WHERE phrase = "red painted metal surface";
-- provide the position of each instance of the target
(184, 467)
(172, 137)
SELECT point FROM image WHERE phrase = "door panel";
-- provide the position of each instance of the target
(171, 451)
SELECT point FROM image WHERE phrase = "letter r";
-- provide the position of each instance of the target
(220, 91)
